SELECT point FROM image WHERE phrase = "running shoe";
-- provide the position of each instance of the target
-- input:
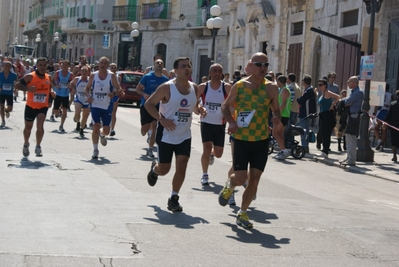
(52, 118)
(7, 113)
(205, 179)
(3, 124)
(95, 154)
(232, 201)
(25, 150)
(243, 220)
(225, 194)
(38, 151)
(282, 155)
(150, 153)
(112, 133)
(77, 126)
(322, 155)
(152, 177)
(61, 129)
(81, 133)
(103, 140)
(173, 204)
(211, 159)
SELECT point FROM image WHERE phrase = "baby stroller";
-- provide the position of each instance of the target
(297, 151)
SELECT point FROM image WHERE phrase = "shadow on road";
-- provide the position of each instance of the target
(256, 215)
(254, 236)
(178, 219)
(100, 161)
(212, 187)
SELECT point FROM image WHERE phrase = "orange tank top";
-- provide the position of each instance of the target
(39, 98)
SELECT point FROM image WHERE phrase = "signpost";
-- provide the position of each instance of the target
(89, 52)
(366, 67)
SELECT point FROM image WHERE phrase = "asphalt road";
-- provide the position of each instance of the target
(65, 209)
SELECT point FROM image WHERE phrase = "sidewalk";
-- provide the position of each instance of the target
(382, 167)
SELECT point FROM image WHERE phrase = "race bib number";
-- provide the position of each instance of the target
(7, 87)
(39, 98)
(244, 118)
(82, 97)
(101, 97)
(63, 85)
(213, 107)
(182, 117)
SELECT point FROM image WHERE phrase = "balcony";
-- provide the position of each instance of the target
(156, 11)
(70, 24)
(42, 22)
(125, 14)
(96, 26)
(53, 12)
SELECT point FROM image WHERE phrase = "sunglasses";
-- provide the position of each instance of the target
(320, 84)
(261, 64)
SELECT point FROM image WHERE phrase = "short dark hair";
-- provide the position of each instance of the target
(278, 74)
(176, 63)
(269, 77)
(237, 73)
(157, 55)
(292, 77)
(41, 59)
(322, 81)
(307, 79)
(331, 73)
(282, 79)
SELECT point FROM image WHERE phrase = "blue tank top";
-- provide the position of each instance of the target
(63, 82)
(325, 103)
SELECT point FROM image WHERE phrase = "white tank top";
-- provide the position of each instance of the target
(213, 104)
(179, 109)
(80, 91)
(101, 89)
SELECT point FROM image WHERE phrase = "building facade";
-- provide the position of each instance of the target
(299, 36)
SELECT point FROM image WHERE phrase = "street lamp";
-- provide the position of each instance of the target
(26, 40)
(38, 40)
(134, 34)
(56, 39)
(214, 24)
(364, 151)
(16, 41)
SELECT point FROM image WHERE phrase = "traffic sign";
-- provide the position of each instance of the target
(366, 67)
(63, 46)
(89, 52)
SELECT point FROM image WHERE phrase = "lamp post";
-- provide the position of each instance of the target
(38, 40)
(56, 39)
(364, 151)
(26, 40)
(134, 34)
(214, 24)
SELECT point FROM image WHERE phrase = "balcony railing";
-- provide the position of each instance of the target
(125, 13)
(96, 25)
(53, 11)
(69, 23)
(156, 11)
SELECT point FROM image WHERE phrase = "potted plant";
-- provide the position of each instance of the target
(92, 26)
(89, 20)
(104, 21)
(21, 25)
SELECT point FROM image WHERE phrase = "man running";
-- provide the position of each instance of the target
(61, 81)
(152, 68)
(38, 86)
(179, 98)
(7, 80)
(251, 97)
(146, 87)
(103, 86)
(115, 101)
(78, 85)
(213, 93)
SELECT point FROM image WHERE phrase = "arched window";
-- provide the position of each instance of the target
(161, 49)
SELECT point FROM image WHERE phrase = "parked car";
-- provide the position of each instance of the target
(129, 81)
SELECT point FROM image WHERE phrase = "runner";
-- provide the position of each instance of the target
(7, 80)
(100, 89)
(78, 85)
(152, 68)
(38, 86)
(178, 97)
(61, 81)
(146, 87)
(213, 93)
(115, 101)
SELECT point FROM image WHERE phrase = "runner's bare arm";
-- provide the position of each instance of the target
(88, 88)
(22, 84)
(227, 103)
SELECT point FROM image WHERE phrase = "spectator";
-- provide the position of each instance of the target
(381, 113)
(392, 118)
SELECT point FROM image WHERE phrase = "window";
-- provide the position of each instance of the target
(91, 11)
(84, 11)
(350, 18)
(297, 28)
